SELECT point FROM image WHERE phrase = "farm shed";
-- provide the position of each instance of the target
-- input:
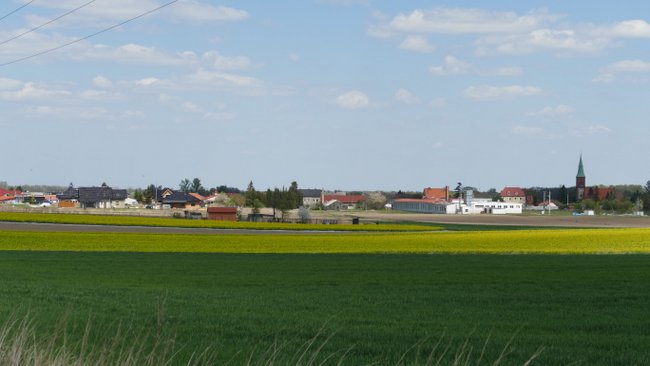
(222, 213)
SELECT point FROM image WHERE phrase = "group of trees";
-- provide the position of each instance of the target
(278, 199)
(621, 199)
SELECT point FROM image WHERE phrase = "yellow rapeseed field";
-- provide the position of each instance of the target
(576, 241)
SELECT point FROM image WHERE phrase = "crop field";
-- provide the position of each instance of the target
(210, 224)
(359, 298)
(581, 309)
(572, 241)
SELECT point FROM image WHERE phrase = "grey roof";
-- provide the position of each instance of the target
(70, 194)
(99, 194)
(581, 169)
(178, 197)
(311, 192)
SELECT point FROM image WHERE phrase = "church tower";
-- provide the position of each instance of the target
(580, 181)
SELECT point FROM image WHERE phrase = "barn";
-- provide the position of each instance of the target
(222, 213)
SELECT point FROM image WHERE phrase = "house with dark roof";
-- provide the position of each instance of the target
(170, 198)
(311, 197)
(101, 197)
(93, 197)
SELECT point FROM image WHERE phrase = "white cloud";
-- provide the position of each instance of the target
(405, 96)
(589, 130)
(468, 21)
(604, 78)
(294, 57)
(492, 93)
(352, 100)
(610, 73)
(511, 33)
(554, 112)
(553, 40)
(147, 81)
(10, 84)
(380, 31)
(452, 66)
(190, 10)
(31, 91)
(134, 53)
(220, 62)
(93, 94)
(630, 29)
(221, 79)
(597, 129)
(629, 66)
(108, 12)
(102, 82)
(417, 44)
(191, 107)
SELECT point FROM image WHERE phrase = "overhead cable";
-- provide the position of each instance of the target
(16, 10)
(88, 36)
(48, 22)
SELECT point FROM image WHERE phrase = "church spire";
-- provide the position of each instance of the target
(581, 170)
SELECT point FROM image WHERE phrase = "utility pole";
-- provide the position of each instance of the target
(460, 196)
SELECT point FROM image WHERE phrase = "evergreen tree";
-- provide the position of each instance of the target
(251, 194)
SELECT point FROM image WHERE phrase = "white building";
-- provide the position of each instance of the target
(486, 205)
(475, 206)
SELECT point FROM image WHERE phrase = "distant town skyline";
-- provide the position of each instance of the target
(335, 94)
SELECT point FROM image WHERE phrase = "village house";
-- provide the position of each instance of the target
(93, 197)
(342, 201)
(169, 198)
(513, 195)
(311, 197)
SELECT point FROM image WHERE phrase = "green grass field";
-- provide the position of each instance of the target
(583, 309)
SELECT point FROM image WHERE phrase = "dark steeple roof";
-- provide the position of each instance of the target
(581, 169)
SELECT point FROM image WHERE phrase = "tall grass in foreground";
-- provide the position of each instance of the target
(22, 345)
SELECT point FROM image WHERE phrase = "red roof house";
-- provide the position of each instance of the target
(436, 193)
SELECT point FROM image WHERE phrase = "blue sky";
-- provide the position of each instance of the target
(334, 94)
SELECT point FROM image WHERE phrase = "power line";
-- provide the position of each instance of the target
(88, 36)
(16, 10)
(48, 22)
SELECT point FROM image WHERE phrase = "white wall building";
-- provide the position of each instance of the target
(474, 207)
(486, 205)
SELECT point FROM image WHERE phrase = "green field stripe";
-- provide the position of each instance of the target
(583, 241)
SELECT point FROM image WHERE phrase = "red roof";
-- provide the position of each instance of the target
(436, 193)
(343, 198)
(513, 192)
(197, 196)
(6, 192)
(6, 198)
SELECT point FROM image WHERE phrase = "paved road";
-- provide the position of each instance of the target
(44, 227)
